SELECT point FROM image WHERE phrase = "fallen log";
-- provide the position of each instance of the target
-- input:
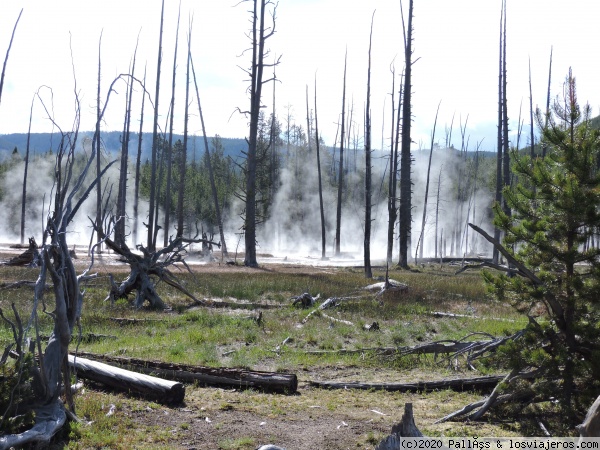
(224, 377)
(456, 384)
(29, 257)
(163, 391)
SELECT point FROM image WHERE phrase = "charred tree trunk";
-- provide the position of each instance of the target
(338, 220)
(213, 185)
(505, 143)
(96, 147)
(498, 198)
(393, 181)
(405, 167)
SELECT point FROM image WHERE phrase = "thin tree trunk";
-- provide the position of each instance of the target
(367, 241)
(544, 146)
(151, 244)
(405, 167)
(12, 36)
(498, 198)
(392, 178)
(96, 149)
(338, 222)
(211, 175)
(505, 146)
(437, 213)
(183, 163)
(169, 148)
(420, 243)
(532, 138)
(24, 198)
(138, 162)
(321, 208)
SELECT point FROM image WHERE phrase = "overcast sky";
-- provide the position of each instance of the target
(455, 41)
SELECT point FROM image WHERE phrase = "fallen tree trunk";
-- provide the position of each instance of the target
(225, 377)
(457, 384)
(163, 391)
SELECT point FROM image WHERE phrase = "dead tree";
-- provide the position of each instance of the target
(138, 163)
(420, 243)
(183, 156)
(544, 145)
(367, 240)
(393, 180)
(405, 166)
(318, 145)
(259, 34)
(12, 37)
(338, 220)
(151, 244)
(96, 142)
(169, 149)
(51, 372)
(211, 175)
(24, 197)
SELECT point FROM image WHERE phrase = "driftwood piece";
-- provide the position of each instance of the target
(345, 322)
(457, 384)
(164, 391)
(48, 421)
(224, 377)
(405, 429)
(591, 425)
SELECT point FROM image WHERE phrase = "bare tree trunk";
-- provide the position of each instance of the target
(420, 243)
(437, 213)
(544, 146)
(392, 213)
(338, 221)
(259, 34)
(12, 36)
(405, 167)
(505, 146)
(24, 198)
(183, 163)
(169, 148)
(321, 209)
(138, 162)
(211, 175)
(367, 241)
(498, 197)
(532, 138)
(96, 150)
(122, 194)
(151, 244)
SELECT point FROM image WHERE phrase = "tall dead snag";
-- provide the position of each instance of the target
(155, 138)
(544, 146)
(499, 159)
(96, 143)
(318, 145)
(138, 163)
(393, 180)
(367, 241)
(211, 175)
(419, 249)
(169, 149)
(532, 136)
(505, 145)
(12, 37)
(183, 157)
(24, 197)
(338, 220)
(259, 34)
(405, 156)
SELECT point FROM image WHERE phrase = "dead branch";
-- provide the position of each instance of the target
(305, 300)
(345, 322)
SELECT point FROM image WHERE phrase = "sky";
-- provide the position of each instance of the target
(455, 54)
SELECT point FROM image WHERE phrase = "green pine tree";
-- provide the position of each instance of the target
(549, 238)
